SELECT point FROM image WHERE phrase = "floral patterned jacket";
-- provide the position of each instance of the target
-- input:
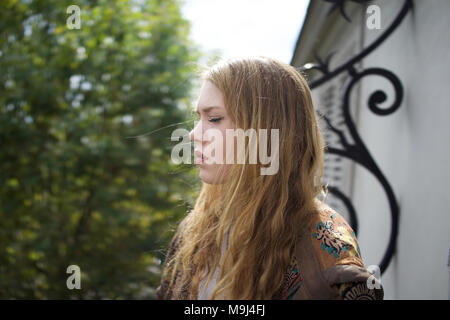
(327, 265)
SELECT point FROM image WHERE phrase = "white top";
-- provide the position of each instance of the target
(204, 293)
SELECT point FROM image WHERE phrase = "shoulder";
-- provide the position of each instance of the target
(338, 270)
(333, 240)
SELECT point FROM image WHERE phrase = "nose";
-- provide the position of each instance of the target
(196, 133)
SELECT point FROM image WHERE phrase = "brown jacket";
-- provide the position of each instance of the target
(327, 265)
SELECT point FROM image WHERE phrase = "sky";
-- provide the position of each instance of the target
(246, 27)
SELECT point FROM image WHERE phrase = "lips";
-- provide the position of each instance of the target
(199, 157)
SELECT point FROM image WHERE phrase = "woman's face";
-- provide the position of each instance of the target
(214, 120)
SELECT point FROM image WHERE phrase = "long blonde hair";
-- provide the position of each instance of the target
(262, 213)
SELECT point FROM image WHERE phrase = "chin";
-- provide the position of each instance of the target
(208, 177)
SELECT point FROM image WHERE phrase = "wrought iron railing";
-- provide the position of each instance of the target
(357, 151)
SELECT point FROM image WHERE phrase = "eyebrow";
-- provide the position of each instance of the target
(207, 109)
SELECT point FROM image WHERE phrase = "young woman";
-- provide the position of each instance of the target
(256, 234)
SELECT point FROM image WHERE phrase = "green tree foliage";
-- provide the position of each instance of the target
(85, 177)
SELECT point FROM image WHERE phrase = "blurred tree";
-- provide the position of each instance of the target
(80, 180)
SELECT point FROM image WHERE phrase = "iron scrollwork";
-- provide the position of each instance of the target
(357, 151)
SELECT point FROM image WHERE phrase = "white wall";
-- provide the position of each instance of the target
(412, 148)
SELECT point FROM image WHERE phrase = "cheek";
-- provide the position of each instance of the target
(232, 145)
(224, 147)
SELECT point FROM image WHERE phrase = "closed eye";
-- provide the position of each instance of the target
(211, 119)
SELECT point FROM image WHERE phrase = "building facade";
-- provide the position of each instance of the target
(407, 136)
